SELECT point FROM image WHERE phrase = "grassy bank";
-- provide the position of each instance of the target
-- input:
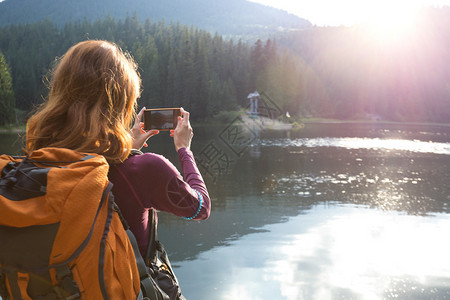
(12, 129)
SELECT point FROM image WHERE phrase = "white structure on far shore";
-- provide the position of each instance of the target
(254, 97)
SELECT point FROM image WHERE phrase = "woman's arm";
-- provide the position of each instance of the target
(195, 181)
(157, 182)
(182, 137)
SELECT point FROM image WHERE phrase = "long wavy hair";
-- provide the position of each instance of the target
(91, 103)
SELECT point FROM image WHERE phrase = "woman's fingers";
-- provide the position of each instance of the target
(183, 132)
(152, 132)
(137, 122)
(185, 115)
(143, 137)
(139, 135)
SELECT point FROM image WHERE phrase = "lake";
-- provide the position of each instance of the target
(330, 211)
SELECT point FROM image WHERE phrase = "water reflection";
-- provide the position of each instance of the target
(330, 212)
(385, 186)
(419, 132)
(363, 143)
(329, 252)
(358, 217)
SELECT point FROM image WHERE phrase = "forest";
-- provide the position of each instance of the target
(179, 65)
(327, 72)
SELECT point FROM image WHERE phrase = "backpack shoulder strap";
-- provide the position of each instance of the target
(3, 290)
(147, 284)
(151, 255)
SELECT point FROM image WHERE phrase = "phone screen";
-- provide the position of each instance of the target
(161, 118)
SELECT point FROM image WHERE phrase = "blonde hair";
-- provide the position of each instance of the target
(91, 104)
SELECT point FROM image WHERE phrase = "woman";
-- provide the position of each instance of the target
(150, 181)
(90, 109)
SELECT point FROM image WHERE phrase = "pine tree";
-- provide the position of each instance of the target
(150, 74)
(7, 112)
(202, 75)
(257, 63)
(186, 70)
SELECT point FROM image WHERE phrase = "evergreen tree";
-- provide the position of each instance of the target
(186, 70)
(201, 74)
(147, 57)
(7, 112)
(257, 63)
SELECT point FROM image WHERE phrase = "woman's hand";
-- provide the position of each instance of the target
(139, 135)
(183, 133)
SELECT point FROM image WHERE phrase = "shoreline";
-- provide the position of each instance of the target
(22, 130)
(380, 122)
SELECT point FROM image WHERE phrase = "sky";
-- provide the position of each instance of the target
(348, 12)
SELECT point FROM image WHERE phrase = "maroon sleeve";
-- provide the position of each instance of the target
(196, 183)
(152, 181)
(158, 184)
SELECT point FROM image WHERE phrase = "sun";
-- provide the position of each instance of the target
(392, 21)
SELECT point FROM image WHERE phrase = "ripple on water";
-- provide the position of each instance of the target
(389, 192)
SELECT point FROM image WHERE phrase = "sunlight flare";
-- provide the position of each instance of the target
(390, 21)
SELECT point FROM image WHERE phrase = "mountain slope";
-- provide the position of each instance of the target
(222, 16)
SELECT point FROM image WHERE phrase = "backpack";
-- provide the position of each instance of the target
(60, 237)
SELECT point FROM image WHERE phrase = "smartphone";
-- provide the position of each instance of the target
(161, 118)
